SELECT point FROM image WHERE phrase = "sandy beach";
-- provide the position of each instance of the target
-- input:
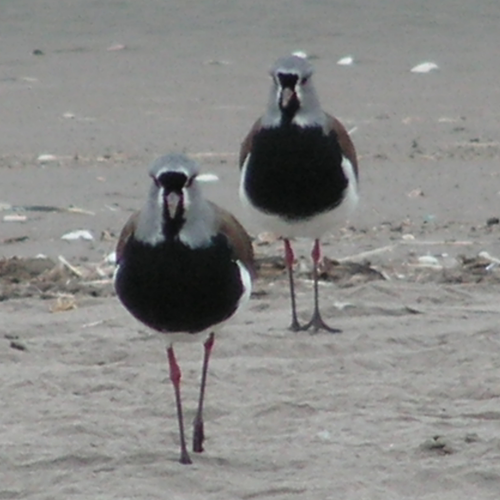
(403, 404)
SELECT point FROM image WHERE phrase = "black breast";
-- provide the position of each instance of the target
(173, 288)
(295, 172)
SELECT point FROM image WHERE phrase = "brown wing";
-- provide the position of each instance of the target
(345, 142)
(237, 236)
(246, 145)
(126, 232)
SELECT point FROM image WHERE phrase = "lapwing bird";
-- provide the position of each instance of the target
(184, 268)
(299, 172)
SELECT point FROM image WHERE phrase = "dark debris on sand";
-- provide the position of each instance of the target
(44, 278)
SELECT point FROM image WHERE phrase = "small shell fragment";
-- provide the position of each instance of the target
(46, 158)
(429, 261)
(424, 67)
(115, 47)
(80, 234)
(345, 61)
(300, 53)
(63, 303)
(324, 435)
(485, 255)
(207, 177)
(110, 258)
(15, 218)
(415, 193)
(217, 62)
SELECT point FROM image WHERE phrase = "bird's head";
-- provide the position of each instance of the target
(293, 96)
(176, 208)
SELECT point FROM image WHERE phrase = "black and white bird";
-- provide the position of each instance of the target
(184, 268)
(299, 171)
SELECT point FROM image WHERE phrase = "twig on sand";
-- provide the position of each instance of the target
(77, 210)
(72, 268)
(92, 324)
(460, 243)
(212, 154)
(368, 253)
(107, 281)
(390, 248)
(44, 208)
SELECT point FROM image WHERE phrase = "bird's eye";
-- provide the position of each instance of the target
(304, 80)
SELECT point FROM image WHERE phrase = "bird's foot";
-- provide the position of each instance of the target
(185, 459)
(295, 326)
(317, 323)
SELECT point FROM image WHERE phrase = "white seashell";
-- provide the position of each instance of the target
(80, 234)
(207, 178)
(428, 261)
(485, 255)
(342, 305)
(345, 61)
(116, 46)
(15, 218)
(300, 53)
(46, 158)
(217, 62)
(111, 258)
(324, 435)
(424, 67)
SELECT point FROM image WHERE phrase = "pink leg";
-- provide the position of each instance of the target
(198, 434)
(289, 258)
(175, 377)
(316, 252)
